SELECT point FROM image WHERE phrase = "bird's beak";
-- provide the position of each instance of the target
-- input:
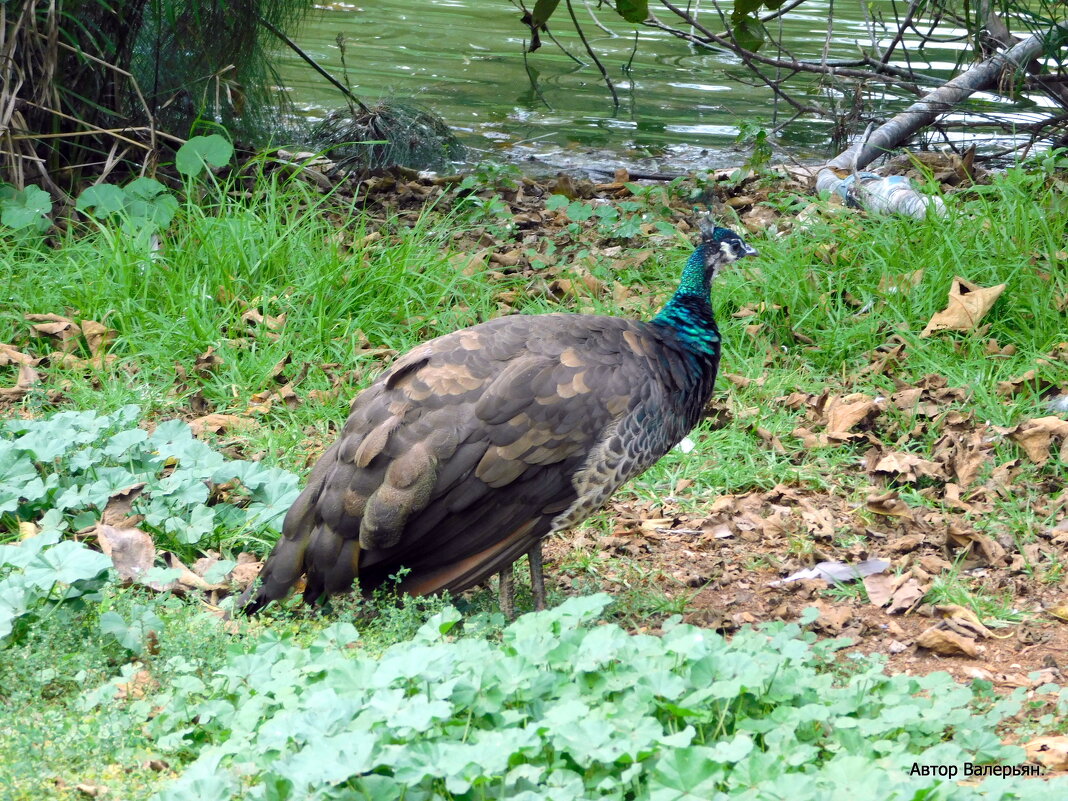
(750, 250)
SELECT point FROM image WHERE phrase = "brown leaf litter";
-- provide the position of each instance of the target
(968, 304)
(133, 553)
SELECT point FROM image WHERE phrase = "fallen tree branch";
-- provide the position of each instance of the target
(924, 112)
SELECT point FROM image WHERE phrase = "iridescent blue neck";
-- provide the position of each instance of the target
(695, 282)
(689, 312)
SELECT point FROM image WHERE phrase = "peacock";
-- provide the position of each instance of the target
(473, 447)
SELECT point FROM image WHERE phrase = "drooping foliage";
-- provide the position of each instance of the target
(89, 83)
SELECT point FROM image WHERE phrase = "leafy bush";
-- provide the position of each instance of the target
(60, 472)
(565, 709)
(74, 462)
(44, 572)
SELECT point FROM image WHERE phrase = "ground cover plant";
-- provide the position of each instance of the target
(177, 383)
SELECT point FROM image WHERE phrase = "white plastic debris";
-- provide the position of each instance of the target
(836, 572)
(685, 445)
(889, 194)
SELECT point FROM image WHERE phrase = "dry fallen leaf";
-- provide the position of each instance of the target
(947, 643)
(880, 588)
(1050, 752)
(906, 597)
(119, 509)
(97, 336)
(27, 377)
(207, 361)
(1035, 437)
(139, 684)
(131, 550)
(832, 619)
(53, 326)
(908, 466)
(983, 549)
(9, 354)
(845, 413)
(218, 423)
(188, 579)
(963, 620)
(245, 573)
(968, 304)
(889, 504)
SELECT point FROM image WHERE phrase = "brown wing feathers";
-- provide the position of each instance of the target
(455, 461)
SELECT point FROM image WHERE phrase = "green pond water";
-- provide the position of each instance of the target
(680, 108)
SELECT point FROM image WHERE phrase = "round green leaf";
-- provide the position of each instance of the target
(201, 151)
(101, 200)
(25, 208)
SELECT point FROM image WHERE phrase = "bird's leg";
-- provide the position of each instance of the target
(537, 578)
(506, 592)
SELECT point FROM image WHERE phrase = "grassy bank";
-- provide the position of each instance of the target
(269, 309)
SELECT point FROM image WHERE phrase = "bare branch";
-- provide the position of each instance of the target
(593, 55)
(922, 113)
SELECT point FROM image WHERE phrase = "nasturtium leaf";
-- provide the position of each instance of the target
(171, 432)
(132, 634)
(183, 487)
(16, 598)
(685, 774)
(25, 208)
(200, 152)
(43, 444)
(144, 188)
(219, 570)
(579, 211)
(731, 751)
(101, 200)
(65, 563)
(120, 444)
(18, 479)
(200, 523)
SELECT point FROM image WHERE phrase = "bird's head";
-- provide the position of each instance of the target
(720, 246)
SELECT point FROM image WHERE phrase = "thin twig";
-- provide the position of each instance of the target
(314, 64)
(597, 22)
(913, 6)
(95, 128)
(533, 81)
(564, 50)
(832, 68)
(633, 52)
(589, 50)
(151, 127)
(829, 35)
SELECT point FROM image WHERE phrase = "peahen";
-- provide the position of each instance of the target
(474, 446)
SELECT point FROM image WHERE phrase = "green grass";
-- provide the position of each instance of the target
(285, 250)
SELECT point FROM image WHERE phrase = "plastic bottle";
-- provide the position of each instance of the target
(889, 194)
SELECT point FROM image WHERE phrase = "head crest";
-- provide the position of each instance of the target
(710, 232)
